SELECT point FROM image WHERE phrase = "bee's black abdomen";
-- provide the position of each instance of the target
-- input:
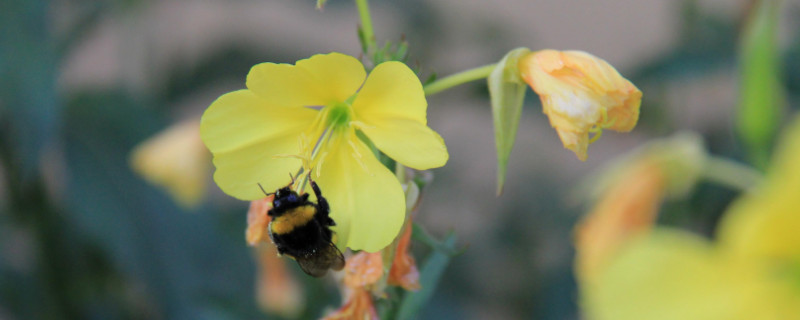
(303, 240)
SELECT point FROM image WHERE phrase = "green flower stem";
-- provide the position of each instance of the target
(458, 79)
(731, 174)
(366, 24)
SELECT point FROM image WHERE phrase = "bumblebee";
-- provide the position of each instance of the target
(301, 230)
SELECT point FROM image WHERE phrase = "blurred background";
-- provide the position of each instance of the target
(82, 83)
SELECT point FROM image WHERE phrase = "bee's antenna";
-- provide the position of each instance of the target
(264, 191)
(292, 177)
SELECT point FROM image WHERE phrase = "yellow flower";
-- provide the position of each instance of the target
(581, 94)
(752, 271)
(176, 160)
(313, 110)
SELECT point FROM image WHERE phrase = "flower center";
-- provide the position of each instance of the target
(322, 137)
(338, 115)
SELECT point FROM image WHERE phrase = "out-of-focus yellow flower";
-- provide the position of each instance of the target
(176, 160)
(312, 110)
(752, 271)
(626, 210)
(276, 289)
(581, 94)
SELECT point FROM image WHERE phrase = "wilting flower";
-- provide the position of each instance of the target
(628, 196)
(313, 110)
(626, 210)
(751, 271)
(404, 271)
(362, 272)
(581, 94)
(176, 160)
(358, 305)
(258, 221)
(365, 277)
(363, 269)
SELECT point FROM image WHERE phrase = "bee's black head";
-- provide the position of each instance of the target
(283, 192)
(285, 199)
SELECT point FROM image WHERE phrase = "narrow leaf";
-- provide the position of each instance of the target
(761, 100)
(507, 91)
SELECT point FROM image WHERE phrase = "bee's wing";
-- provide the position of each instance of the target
(317, 265)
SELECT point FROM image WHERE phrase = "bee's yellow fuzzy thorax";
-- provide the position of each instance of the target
(295, 218)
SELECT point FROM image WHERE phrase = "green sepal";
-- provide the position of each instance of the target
(507, 91)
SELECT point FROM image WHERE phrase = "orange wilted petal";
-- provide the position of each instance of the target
(258, 220)
(404, 271)
(628, 209)
(357, 306)
(581, 94)
(276, 290)
(363, 269)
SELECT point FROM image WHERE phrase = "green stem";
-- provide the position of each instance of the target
(731, 174)
(458, 79)
(366, 24)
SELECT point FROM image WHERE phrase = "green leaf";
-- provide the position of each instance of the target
(430, 274)
(507, 91)
(29, 105)
(321, 4)
(761, 101)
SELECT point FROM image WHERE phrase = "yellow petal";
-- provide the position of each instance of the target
(176, 160)
(367, 202)
(317, 81)
(409, 142)
(676, 275)
(246, 133)
(765, 223)
(581, 92)
(391, 111)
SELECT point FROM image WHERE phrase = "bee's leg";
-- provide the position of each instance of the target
(322, 204)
